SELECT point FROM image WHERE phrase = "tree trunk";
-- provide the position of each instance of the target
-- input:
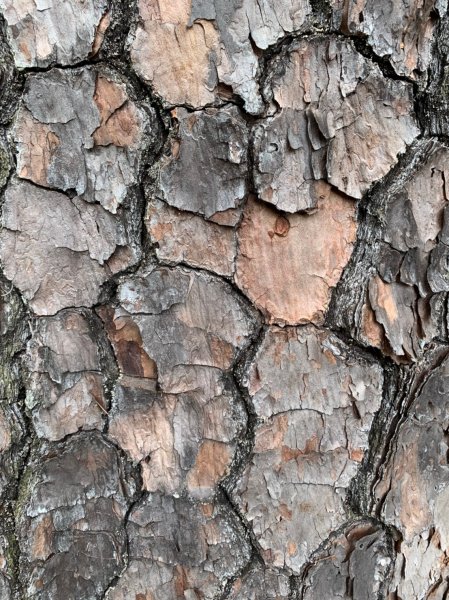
(224, 251)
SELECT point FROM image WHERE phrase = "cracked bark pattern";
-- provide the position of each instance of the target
(224, 279)
(403, 32)
(322, 129)
(308, 440)
(51, 32)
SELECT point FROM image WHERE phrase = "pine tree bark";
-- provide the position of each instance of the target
(224, 249)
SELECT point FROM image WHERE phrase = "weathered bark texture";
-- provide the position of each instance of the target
(224, 286)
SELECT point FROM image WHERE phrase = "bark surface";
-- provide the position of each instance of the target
(224, 285)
